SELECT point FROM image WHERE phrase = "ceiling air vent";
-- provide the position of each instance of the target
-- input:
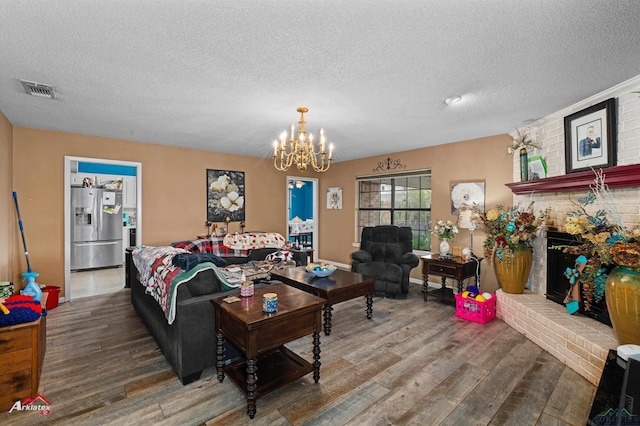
(38, 89)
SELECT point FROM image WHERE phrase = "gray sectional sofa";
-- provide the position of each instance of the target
(189, 343)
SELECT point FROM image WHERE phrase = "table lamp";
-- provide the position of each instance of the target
(465, 222)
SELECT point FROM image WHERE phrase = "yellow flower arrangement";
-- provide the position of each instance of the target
(508, 227)
(605, 243)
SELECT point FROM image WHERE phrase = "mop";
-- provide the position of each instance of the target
(32, 289)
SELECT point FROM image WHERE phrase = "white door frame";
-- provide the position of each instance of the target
(67, 210)
(314, 208)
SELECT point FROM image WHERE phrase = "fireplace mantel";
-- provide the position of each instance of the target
(615, 177)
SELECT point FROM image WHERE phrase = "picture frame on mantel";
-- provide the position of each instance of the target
(590, 137)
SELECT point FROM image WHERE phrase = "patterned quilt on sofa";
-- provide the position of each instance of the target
(161, 277)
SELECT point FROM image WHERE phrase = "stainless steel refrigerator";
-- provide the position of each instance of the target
(96, 228)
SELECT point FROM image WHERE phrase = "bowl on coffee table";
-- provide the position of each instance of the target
(321, 269)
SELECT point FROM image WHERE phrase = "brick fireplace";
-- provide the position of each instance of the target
(582, 343)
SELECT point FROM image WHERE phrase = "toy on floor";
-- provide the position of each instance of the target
(473, 292)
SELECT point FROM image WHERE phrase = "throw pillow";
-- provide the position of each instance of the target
(279, 256)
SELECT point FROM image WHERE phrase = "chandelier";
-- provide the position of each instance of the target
(301, 151)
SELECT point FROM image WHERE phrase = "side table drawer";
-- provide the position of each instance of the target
(441, 270)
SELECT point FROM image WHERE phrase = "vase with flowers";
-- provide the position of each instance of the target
(445, 231)
(608, 263)
(521, 145)
(509, 243)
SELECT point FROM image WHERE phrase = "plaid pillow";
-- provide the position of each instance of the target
(202, 245)
(213, 245)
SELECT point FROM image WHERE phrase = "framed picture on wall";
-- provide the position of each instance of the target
(334, 198)
(225, 196)
(466, 194)
(590, 137)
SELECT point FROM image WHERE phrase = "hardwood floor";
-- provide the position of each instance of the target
(414, 363)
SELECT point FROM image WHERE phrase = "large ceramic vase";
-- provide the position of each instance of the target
(512, 271)
(622, 293)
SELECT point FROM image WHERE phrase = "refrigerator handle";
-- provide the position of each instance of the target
(97, 243)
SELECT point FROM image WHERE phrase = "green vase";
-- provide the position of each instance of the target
(622, 293)
(513, 270)
(524, 165)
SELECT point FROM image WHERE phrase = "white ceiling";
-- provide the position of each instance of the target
(227, 76)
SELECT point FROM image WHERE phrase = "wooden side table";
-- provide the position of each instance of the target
(454, 268)
(268, 364)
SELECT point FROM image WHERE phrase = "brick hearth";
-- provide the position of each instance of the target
(578, 341)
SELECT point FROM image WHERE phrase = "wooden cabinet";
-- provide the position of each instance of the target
(22, 349)
(129, 192)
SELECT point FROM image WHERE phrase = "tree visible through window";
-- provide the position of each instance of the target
(403, 200)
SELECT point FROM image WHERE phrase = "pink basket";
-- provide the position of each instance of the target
(476, 311)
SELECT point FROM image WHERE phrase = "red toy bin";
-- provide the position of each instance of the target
(53, 294)
(476, 311)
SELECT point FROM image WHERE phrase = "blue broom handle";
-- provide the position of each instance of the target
(24, 243)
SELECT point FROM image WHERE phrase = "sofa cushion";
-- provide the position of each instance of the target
(381, 271)
(385, 252)
(203, 285)
(249, 241)
(187, 261)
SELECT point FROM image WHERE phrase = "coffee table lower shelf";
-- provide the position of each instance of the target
(276, 368)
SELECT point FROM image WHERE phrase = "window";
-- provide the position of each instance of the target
(401, 200)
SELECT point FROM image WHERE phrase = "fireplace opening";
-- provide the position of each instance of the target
(558, 284)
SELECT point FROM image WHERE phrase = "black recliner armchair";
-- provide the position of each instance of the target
(385, 254)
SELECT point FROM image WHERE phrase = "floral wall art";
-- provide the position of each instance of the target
(466, 194)
(225, 195)
(334, 198)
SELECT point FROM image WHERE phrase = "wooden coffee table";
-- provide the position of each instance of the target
(340, 286)
(261, 337)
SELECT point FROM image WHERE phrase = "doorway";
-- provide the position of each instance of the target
(302, 209)
(100, 280)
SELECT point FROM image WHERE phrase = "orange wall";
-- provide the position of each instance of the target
(7, 216)
(173, 191)
(174, 201)
(482, 159)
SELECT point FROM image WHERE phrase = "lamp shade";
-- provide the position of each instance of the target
(464, 219)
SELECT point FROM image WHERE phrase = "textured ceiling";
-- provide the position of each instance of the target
(227, 76)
